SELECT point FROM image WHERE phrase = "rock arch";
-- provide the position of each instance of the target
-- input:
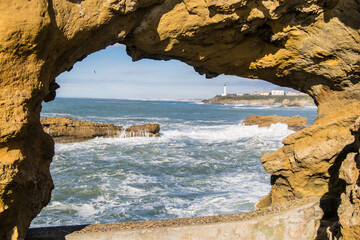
(312, 46)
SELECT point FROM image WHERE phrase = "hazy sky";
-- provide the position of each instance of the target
(110, 73)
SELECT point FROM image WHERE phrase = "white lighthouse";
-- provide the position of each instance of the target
(225, 93)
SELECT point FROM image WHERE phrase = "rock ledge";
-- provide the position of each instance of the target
(65, 130)
(294, 123)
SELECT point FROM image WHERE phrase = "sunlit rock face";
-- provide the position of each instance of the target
(312, 46)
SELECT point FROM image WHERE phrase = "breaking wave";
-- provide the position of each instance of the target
(206, 162)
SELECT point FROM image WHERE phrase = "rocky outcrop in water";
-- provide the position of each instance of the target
(147, 130)
(294, 123)
(66, 130)
(63, 129)
(312, 46)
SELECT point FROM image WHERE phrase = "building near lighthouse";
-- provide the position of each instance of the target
(277, 92)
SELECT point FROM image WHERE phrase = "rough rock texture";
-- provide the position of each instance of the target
(147, 130)
(63, 129)
(294, 123)
(321, 160)
(348, 212)
(67, 130)
(312, 46)
(308, 164)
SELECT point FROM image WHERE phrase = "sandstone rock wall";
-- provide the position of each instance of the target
(312, 46)
(309, 162)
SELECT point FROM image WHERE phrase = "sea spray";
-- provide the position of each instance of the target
(205, 163)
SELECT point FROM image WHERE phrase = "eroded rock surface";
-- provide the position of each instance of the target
(147, 130)
(320, 160)
(348, 212)
(67, 130)
(63, 129)
(294, 123)
(308, 164)
(312, 46)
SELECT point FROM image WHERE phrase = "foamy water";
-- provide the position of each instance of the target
(205, 162)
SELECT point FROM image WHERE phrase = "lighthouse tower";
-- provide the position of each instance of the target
(225, 93)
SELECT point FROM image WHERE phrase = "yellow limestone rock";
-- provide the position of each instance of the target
(67, 130)
(294, 123)
(63, 129)
(312, 46)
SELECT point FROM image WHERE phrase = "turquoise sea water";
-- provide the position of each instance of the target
(205, 162)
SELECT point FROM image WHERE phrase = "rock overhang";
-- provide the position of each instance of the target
(311, 46)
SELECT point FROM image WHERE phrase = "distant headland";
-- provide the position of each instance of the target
(274, 100)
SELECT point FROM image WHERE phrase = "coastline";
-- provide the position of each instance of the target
(134, 99)
(257, 100)
(188, 127)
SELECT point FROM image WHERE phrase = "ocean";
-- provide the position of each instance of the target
(205, 162)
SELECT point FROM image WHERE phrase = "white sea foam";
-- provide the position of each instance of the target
(208, 206)
(256, 107)
(229, 132)
(223, 202)
(201, 165)
(216, 133)
(191, 123)
(87, 210)
(84, 210)
(48, 115)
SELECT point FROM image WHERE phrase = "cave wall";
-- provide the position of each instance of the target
(312, 46)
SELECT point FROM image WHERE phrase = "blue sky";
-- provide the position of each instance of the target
(110, 73)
